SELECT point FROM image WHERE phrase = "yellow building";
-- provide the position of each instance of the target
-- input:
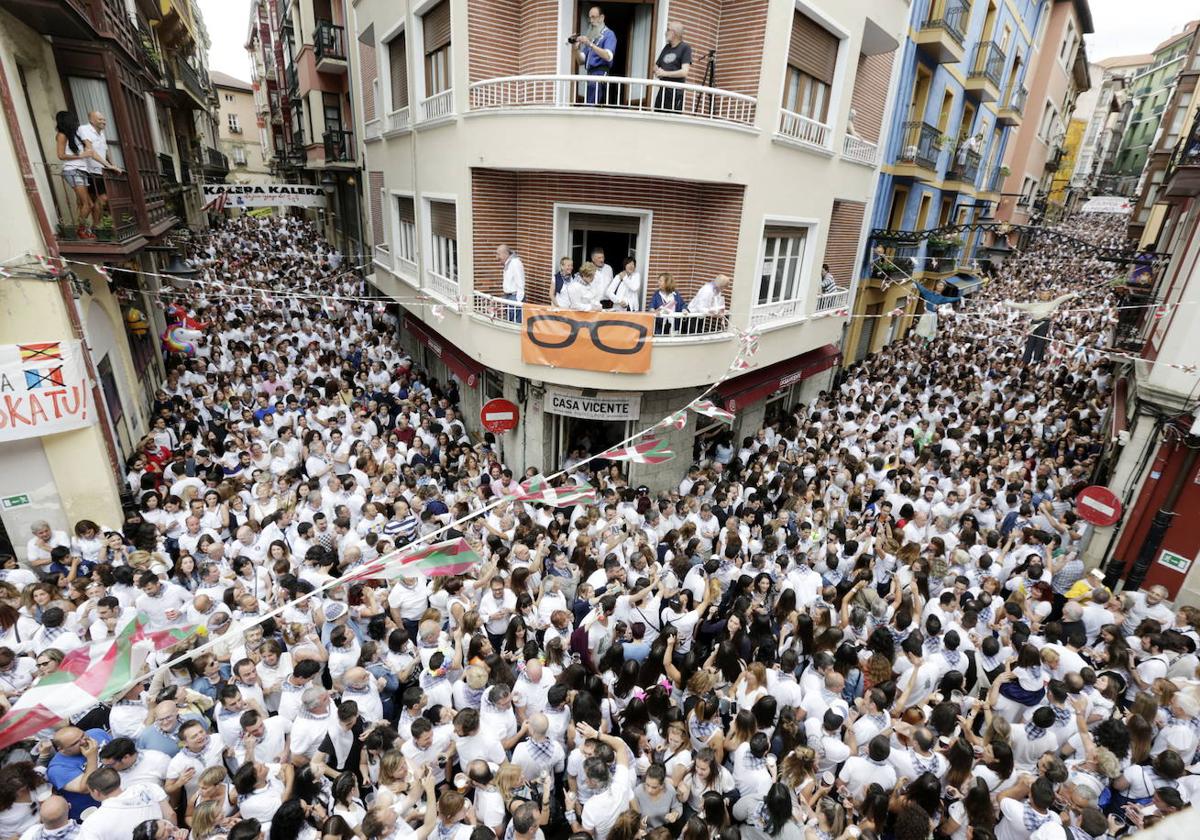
(1066, 169)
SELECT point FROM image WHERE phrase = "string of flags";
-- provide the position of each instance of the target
(710, 409)
(651, 451)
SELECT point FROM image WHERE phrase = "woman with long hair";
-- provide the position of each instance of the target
(20, 789)
(77, 155)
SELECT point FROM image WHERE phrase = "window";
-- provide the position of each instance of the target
(229, 97)
(406, 235)
(1064, 52)
(783, 264)
(235, 127)
(436, 31)
(1049, 118)
(443, 258)
(812, 60)
(398, 71)
(239, 155)
(805, 95)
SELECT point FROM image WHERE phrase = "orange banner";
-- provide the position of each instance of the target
(609, 342)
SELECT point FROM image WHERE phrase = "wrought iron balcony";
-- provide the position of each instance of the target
(922, 145)
(964, 168)
(215, 163)
(339, 146)
(166, 165)
(986, 69)
(943, 32)
(329, 47)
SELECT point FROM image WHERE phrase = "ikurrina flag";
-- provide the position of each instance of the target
(709, 409)
(453, 557)
(678, 420)
(87, 675)
(537, 489)
(653, 451)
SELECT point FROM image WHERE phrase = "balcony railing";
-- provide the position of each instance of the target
(166, 168)
(373, 129)
(615, 94)
(293, 79)
(437, 107)
(988, 63)
(329, 41)
(944, 253)
(339, 146)
(679, 328)
(382, 255)
(442, 286)
(964, 167)
(119, 221)
(804, 130)
(399, 120)
(995, 181)
(1016, 102)
(1055, 159)
(860, 151)
(837, 299)
(952, 20)
(215, 162)
(922, 145)
(192, 81)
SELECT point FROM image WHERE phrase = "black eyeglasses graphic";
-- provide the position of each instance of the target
(613, 329)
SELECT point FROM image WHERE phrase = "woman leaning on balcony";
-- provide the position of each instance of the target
(75, 152)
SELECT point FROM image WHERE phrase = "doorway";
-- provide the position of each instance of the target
(866, 335)
(635, 25)
(621, 232)
(592, 436)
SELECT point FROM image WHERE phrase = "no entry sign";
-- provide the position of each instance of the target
(499, 415)
(1098, 505)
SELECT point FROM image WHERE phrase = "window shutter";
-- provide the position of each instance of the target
(770, 232)
(398, 71)
(604, 222)
(404, 206)
(813, 49)
(437, 27)
(841, 246)
(441, 219)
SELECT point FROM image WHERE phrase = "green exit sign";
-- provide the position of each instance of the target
(10, 502)
(1174, 561)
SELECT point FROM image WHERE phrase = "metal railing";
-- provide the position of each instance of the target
(860, 151)
(293, 79)
(921, 145)
(438, 106)
(995, 181)
(118, 220)
(166, 168)
(215, 160)
(501, 312)
(802, 129)
(1055, 159)
(952, 20)
(329, 41)
(192, 81)
(988, 63)
(1016, 102)
(965, 169)
(399, 120)
(373, 129)
(339, 146)
(943, 252)
(679, 327)
(613, 93)
(441, 286)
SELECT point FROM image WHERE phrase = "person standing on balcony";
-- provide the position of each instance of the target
(710, 300)
(93, 133)
(566, 274)
(582, 295)
(76, 153)
(596, 51)
(624, 292)
(604, 273)
(514, 280)
(667, 303)
(828, 283)
(672, 65)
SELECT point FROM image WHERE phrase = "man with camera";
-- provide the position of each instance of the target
(595, 51)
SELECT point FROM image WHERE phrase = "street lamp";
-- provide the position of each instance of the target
(179, 271)
(328, 183)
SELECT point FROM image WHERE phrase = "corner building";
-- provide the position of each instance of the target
(477, 133)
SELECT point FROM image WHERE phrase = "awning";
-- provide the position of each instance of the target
(966, 283)
(1120, 419)
(460, 364)
(756, 385)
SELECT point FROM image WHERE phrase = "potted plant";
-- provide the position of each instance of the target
(1005, 171)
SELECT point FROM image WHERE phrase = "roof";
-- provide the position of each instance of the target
(1084, 13)
(1188, 29)
(224, 80)
(1125, 61)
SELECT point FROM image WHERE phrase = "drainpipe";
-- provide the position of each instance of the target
(47, 231)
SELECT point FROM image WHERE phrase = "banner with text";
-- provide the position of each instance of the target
(606, 406)
(43, 389)
(1107, 204)
(220, 196)
(610, 342)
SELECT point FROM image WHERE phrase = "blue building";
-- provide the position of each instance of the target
(959, 94)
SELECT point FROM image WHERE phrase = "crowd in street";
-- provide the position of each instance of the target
(869, 618)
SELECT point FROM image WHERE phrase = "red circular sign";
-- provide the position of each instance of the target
(1098, 505)
(499, 415)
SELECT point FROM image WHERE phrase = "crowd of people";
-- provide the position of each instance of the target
(870, 618)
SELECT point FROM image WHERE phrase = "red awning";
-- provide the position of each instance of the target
(460, 364)
(756, 385)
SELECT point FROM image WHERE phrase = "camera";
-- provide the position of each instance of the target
(571, 39)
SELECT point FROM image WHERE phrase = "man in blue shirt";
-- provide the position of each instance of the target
(76, 756)
(596, 51)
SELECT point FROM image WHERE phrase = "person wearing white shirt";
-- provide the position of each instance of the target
(473, 745)
(121, 809)
(164, 604)
(582, 294)
(860, 772)
(625, 290)
(43, 541)
(710, 299)
(514, 278)
(611, 789)
(200, 751)
(604, 272)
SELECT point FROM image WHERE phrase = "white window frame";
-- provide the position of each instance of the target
(567, 26)
(237, 152)
(401, 261)
(807, 281)
(840, 87)
(562, 231)
(389, 38)
(416, 47)
(446, 258)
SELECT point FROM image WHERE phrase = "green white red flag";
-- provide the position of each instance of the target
(653, 451)
(87, 675)
(710, 409)
(537, 489)
(452, 557)
(678, 420)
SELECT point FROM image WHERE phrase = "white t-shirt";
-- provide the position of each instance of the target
(119, 815)
(600, 812)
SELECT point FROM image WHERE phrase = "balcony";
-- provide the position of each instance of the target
(398, 121)
(641, 97)
(438, 107)
(942, 34)
(1055, 158)
(444, 288)
(118, 231)
(189, 81)
(993, 185)
(963, 171)
(681, 328)
(339, 146)
(919, 155)
(373, 130)
(803, 131)
(986, 70)
(293, 80)
(860, 151)
(329, 47)
(1010, 113)
(215, 164)
(166, 169)
(942, 257)
(1183, 175)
